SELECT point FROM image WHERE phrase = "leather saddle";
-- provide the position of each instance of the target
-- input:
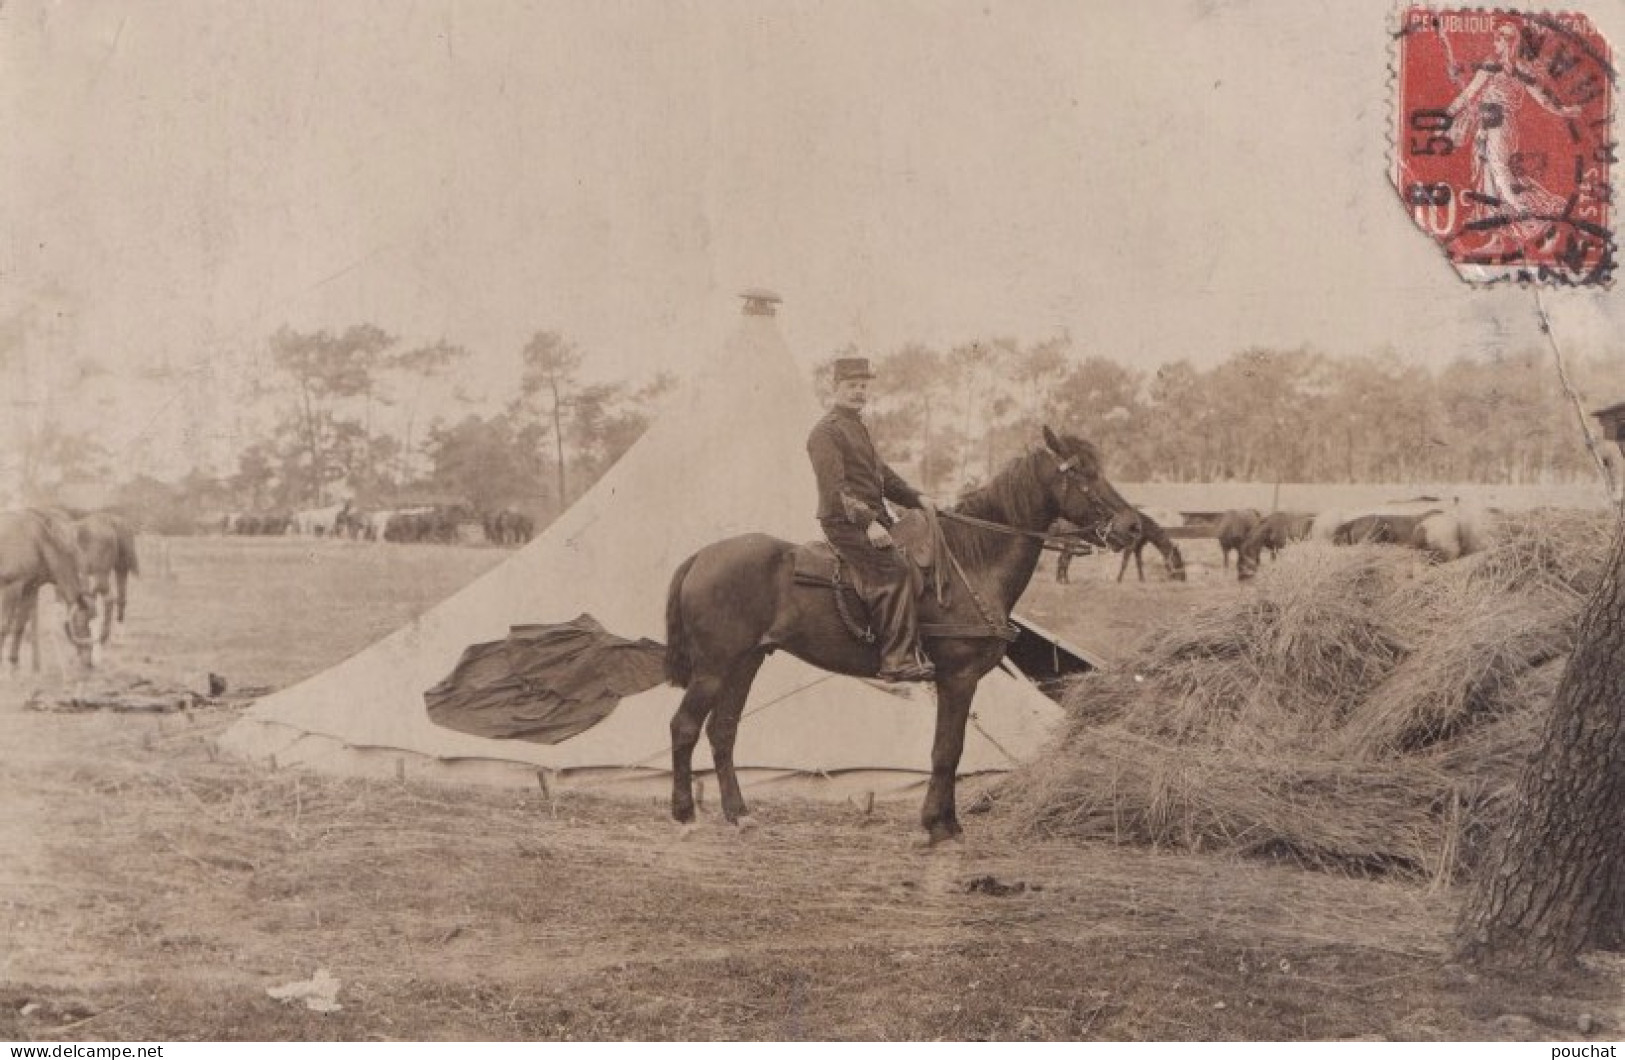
(944, 613)
(815, 561)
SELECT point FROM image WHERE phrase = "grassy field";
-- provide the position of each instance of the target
(154, 889)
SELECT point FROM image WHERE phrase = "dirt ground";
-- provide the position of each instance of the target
(153, 889)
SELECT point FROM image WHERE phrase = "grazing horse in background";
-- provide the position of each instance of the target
(317, 522)
(1129, 532)
(514, 527)
(1234, 526)
(1447, 535)
(107, 559)
(1380, 529)
(1438, 536)
(37, 546)
(1274, 532)
(736, 601)
(350, 522)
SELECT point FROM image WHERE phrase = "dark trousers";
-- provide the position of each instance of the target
(880, 576)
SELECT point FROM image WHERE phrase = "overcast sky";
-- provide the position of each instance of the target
(1174, 179)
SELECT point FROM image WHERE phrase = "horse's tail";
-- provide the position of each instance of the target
(1470, 521)
(1323, 527)
(679, 665)
(127, 562)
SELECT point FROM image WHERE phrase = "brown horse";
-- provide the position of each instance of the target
(1129, 532)
(1274, 532)
(734, 602)
(37, 546)
(107, 559)
(1234, 526)
(1380, 529)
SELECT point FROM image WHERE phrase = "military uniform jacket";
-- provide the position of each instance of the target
(853, 482)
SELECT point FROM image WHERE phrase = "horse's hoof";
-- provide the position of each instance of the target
(746, 823)
(937, 837)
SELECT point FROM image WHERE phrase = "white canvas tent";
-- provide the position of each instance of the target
(726, 456)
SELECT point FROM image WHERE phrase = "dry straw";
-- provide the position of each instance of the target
(1356, 708)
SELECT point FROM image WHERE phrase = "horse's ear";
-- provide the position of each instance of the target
(1053, 442)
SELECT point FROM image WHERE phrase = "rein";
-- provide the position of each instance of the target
(1013, 531)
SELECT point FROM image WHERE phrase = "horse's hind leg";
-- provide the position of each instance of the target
(698, 701)
(723, 729)
(107, 617)
(16, 605)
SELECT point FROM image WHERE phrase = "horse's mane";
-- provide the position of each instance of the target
(57, 528)
(1016, 496)
(1013, 497)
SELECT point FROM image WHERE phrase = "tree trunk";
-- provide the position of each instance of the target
(926, 482)
(558, 440)
(1554, 885)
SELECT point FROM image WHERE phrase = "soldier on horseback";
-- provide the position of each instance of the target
(853, 487)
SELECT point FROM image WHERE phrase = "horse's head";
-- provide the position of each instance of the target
(1251, 551)
(81, 610)
(1078, 485)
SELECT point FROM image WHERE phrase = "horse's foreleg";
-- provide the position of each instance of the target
(939, 816)
(107, 619)
(1139, 558)
(701, 696)
(1122, 567)
(723, 729)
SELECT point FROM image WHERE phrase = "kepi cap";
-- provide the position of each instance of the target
(852, 368)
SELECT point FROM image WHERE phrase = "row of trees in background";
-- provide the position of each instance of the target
(555, 436)
(357, 414)
(1261, 415)
(348, 414)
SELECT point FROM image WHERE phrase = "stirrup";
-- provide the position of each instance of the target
(914, 671)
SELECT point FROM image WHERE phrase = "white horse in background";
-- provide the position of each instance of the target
(316, 522)
(1451, 534)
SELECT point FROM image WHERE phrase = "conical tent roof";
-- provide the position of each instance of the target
(727, 456)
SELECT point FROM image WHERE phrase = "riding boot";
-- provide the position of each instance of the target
(881, 578)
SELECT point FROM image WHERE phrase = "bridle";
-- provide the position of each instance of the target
(1068, 468)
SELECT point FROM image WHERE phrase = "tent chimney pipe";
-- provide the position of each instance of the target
(760, 302)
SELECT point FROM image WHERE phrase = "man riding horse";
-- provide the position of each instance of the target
(853, 487)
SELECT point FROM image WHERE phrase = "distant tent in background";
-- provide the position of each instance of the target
(727, 456)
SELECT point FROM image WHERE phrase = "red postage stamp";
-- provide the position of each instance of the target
(1503, 144)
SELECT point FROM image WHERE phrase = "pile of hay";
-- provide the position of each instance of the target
(1354, 709)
